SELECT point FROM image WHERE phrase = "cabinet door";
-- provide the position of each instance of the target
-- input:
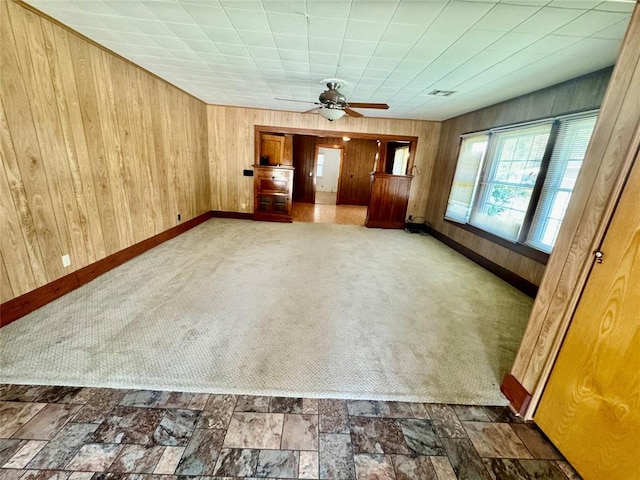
(591, 406)
(272, 146)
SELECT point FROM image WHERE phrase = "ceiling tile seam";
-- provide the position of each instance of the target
(343, 35)
(307, 21)
(449, 46)
(290, 92)
(414, 44)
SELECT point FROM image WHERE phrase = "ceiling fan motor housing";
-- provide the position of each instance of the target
(332, 98)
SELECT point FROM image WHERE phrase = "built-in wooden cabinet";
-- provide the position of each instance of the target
(273, 190)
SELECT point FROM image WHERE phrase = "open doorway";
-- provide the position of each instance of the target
(328, 161)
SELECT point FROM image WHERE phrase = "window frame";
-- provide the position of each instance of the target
(519, 245)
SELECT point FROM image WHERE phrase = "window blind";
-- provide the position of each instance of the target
(472, 150)
(569, 151)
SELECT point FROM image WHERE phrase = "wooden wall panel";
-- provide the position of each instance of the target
(97, 154)
(355, 172)
(579, 94)
(231, 149)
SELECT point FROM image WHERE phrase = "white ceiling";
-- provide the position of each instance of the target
(249, 52)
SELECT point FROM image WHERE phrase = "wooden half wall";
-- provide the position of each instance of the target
(579, 94)
(231, 149)
(97, 153)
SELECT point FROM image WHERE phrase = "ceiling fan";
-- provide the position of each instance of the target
(333, 104)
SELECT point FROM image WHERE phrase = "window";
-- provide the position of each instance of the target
(516, 182)
(400, 159)
(320, 165)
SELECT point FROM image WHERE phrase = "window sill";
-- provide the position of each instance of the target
(525, 250)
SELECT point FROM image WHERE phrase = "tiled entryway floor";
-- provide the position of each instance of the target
(67, 433)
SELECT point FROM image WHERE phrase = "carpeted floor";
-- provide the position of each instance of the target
(296, 309)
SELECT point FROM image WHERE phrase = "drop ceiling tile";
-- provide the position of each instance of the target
(418, 13)
(593, 47)
(264, 53)
(388, 63)
(191, 32)
(590, 23)
(350, 74)
(295, 66)
(354, 61)
(355, 47)
(547, 20)
(581, 4)
(327, 27)
(294, 55)
(403, 34)
(614, 32)
(504, 18)
(364, 31)
(113, 22)
(223, 35)
(551, 44)
(241, 61)
(291, 42)
(325, 45)
(391, 50)
(246, 20)
(625, 6)
(257, 39)
(478, 38)
(369, 10)
(153, 27)
(127, 8)
(458, 17)
(333, 9)
(322, 71)
(287, 24)
(514, 42)
(292, 7)
(99, 8)
(324, 58)
(252, 5)
(210, 16)
(234, 50)
(166, 11)
(169, 42)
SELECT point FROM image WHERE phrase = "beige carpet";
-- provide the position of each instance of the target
(281, 309)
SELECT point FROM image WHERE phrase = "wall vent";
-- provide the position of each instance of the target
(441, 93)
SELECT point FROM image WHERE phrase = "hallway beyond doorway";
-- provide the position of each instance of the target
(337, 214)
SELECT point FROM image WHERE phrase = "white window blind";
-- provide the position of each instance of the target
(472, 151)
(569, 151)
(512, 167)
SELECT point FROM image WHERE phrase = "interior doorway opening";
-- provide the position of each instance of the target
(328, 160)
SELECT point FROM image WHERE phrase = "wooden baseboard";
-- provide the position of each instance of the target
(508, 276)
(30, 301)
(517, 395)
(384, 224)
(238, 215)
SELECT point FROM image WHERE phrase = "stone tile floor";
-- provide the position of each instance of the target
(68, 433)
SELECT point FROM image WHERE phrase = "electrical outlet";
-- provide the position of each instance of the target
(411, 218)
(66, 261)
(178, 217)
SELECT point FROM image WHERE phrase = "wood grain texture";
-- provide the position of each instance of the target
(388, 202)
(232, 149)
(97, 154)
(358, 161)
(608, 160)
(575, 95)
(304, 161)
(590, 408)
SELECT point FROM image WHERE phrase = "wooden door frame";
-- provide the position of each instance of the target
(315, 167)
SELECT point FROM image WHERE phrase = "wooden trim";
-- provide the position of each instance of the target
(525, 286)
(517, 395)
(332, 133)
(525, 250)
(384, 224)
(238, 215)
(30, 301)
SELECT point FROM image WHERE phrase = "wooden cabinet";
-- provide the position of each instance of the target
(272, 189)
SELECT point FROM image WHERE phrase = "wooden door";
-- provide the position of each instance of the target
(355, 172)
(304, 153)
(591, 406)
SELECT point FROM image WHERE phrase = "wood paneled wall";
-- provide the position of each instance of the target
(579, 94)
(231, 149)
(304, 161)
(97, 154)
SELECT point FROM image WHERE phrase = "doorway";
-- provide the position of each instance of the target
(328, 160)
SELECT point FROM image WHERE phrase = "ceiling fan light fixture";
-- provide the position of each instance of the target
(331, 114)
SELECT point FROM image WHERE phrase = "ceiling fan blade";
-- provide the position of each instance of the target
(312, 110)
(291, 100)
(381, 106)
(352, 113)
